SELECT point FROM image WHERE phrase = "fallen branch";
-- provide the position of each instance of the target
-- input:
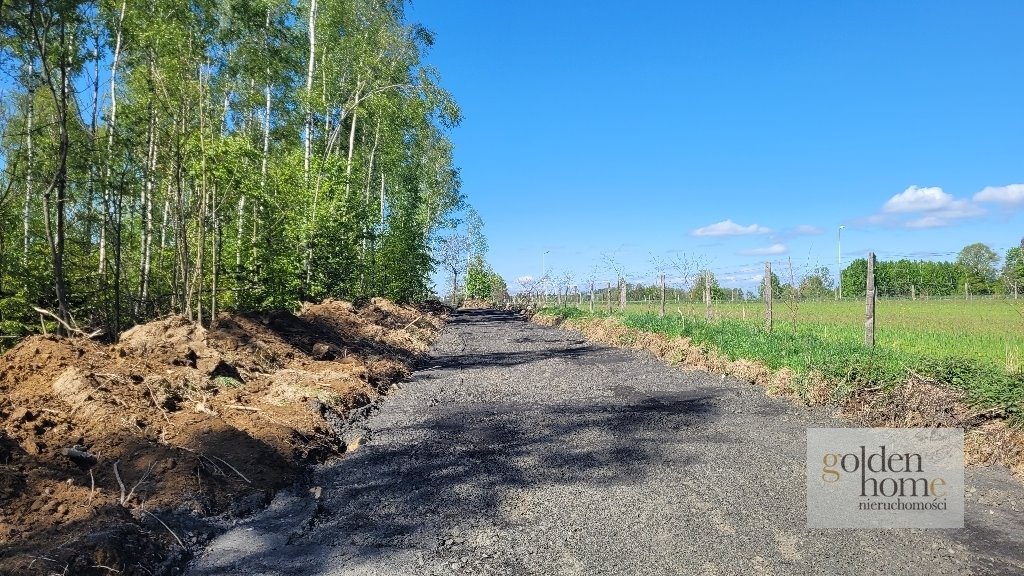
(216, 469)
(985, 413)
(141, 480)
(180, 543)
(242, 476)
(157, 404)
(71, 328)
(119, 482)
(240, 407)
(418, 318)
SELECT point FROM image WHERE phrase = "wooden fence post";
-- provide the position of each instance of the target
(708, 315)
(661, 311)
(608, 297)
(913, 292)
(622, 294)
(869, 304)
(768, 296)
(591, 296)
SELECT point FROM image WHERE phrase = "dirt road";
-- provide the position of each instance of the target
(525, 450)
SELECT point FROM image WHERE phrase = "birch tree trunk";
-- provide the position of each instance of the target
(111, 125)
(163, 229)
(238, 249)
(27, 213)
(308, 142)
(147, 201)
(55, 238)
(308, 135)
(93, 123)
(366, 203)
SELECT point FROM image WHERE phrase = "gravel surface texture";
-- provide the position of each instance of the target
(519, 449)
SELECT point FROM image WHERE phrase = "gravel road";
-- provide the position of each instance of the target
(526, 450)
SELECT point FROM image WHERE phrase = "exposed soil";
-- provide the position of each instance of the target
(116, 457)
(525, 450)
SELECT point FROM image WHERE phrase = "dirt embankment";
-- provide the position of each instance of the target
(917, 402)
(112, 458)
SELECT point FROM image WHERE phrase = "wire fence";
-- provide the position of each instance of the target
(966, 324)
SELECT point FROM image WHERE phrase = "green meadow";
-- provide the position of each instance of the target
(974, 345)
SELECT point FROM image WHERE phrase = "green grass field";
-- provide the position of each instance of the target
(991, 330)
(975, 345)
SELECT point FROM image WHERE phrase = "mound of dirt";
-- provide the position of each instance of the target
(114, 457)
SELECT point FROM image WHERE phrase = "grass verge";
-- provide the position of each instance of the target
(872, 386)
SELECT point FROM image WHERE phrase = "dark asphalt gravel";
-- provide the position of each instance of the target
(525, 450)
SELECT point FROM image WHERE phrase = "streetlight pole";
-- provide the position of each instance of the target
(839, 267)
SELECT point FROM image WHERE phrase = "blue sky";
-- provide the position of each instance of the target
(613, 128)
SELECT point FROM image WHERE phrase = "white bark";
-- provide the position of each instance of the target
(266, 137)
(163, 227)
(111, 124)
(308, 136)
(266, 110)
(147, 205)
(93, 123)
(238, 247)
(27, 213)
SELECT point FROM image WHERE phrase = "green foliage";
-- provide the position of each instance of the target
(980, 262)
(199, 188)
(705, 277)
(16, 319)
(817, 284)
(566, 312)
(499, 290)
(923, 278)
(1013, 270)
(776, 288)
(478, 279)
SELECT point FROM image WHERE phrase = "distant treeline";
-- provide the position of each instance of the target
(975, 271)
(978, 270)
(910, 278)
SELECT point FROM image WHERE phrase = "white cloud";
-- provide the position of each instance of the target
(729, 228)
(955, 210)
(1009, 194)
(929, 207)
(916, 199)
(808, 229)
(927, 222)
(961, 209)
(774, 249)
(524, 279)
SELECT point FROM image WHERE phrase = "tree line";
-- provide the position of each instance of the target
(163, 156)
(976, 270)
